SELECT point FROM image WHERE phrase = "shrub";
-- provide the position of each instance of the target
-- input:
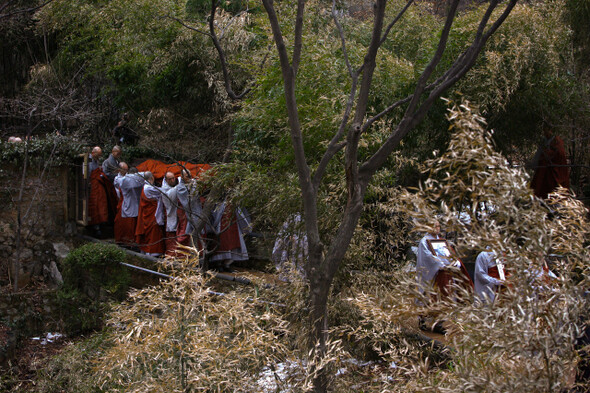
(95, 270)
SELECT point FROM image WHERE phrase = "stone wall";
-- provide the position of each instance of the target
(31, 312)
(45, 221)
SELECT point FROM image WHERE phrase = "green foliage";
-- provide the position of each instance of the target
(578, 16)
(58, 150)
(151, 59)
(79, 314)
(95, 268)
(92, 275)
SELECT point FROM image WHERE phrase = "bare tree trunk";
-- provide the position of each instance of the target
(321, 268)
(319, 293)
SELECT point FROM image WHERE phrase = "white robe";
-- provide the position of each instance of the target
(485, 285)
(153, 192)
(190, 201)
(427, 264)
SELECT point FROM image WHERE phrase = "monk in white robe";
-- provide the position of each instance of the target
(436, 270)
(487, 276)
(170, 202)
(189, 211)
(130, 186)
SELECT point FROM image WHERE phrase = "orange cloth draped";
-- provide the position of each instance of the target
(550, 172)
(148, 234)
(102, 200)
(159, 169)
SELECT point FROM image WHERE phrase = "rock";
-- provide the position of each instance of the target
(70, 228)
(61, 250)
(26, 254)
(35, 267)
(44, 247)
(52, 273)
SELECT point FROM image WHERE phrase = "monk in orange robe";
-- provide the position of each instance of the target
(149, 233)
(102, 200)
(551, 167)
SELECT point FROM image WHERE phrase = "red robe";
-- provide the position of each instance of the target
(229, 238)
(102, 200)
(551, 171)
(148, 234)
(124, 226)
(444, 279)
(181, 236)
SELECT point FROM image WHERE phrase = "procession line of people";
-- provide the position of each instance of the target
(157, 219)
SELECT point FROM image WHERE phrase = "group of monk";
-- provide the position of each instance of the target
(158, 219)
(439, 268)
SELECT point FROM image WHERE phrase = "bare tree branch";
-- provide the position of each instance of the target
(394, 21)
(334, 146)
(442, 44)
(221, 54)
(21, 11)
(298, 36)
(308, 189)
(342, 39)
(354, 132)
(180, 21)
(455, 72)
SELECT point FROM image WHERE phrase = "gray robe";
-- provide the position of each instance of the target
(110, 166)
(170, 202)
(189, 200)
(131, 186)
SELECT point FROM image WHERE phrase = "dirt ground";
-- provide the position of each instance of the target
(30, 356)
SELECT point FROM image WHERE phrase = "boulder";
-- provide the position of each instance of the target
(52, 273)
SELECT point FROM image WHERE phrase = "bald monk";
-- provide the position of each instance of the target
(110, 166)
(102, 194)
(150, 219)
